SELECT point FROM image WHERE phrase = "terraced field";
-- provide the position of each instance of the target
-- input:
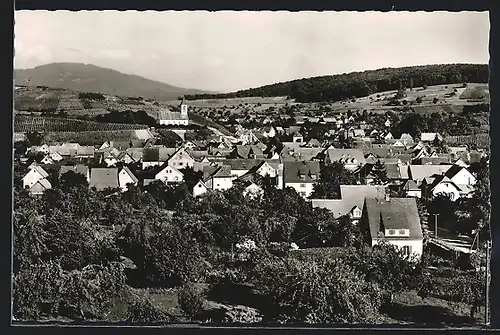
(25, 123)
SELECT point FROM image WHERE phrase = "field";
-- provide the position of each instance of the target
(90, 137)
(75, 104)
(24, 123)
(448, 100)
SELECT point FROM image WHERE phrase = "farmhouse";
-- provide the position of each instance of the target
(168, 117)
(217, 177)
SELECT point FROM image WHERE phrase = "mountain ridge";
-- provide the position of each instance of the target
(91, 78)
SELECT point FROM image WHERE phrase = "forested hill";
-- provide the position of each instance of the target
(360, 84)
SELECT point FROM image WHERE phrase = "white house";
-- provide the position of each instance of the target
(125, 177)
(440, 185)
(169, 174)
(218, 178)
(460, 175)
(395, 221)
(34, 174)
(181, 159)
(301, 176)
(40, 186)
(167, 117)
(199, 189)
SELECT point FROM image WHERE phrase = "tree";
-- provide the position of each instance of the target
(71, 179)
(319, 291)
(418, 100)
(379, 173)
(331, 177)
(435, 100)
(190, 300)
(34, 138)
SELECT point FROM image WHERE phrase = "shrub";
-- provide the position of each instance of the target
(142, 310)
(190, 300)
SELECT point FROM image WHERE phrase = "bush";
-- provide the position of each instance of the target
(142, 310)
(190, 300)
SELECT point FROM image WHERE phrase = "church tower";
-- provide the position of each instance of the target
(184, 108)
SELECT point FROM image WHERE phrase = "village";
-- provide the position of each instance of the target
(170, 178)
(412, 168)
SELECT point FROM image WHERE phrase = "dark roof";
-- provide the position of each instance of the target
(344, 155)
(101, 178)
(157, 154)
(78, 168)
(292, 171)
(237, 164)
(453, 170)
(397, 213)
(410, 185)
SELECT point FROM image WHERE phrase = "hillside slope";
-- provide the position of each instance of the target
(91, 78)
(361, 84)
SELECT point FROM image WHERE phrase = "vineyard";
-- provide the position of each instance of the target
(24, 123)
(89, 137)
(481, 140)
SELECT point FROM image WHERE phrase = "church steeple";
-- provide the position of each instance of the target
(184, 107)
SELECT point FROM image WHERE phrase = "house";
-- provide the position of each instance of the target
(429, 137)
(217, 178)
(307, 154)
(156, 156)
(125, 158)
(440, 185)
(351, 201)
(271, 169)
(169, 174)
(411, 189)
(78, 169)
(301, 176)
(247, 151)
(181, 159)
(46, 160)
(313, 143)
(168, 117)
(102, 178)
(35, 173)
(387, 123)
(126, 177)
(418, 173)
(356, 133)
(238, 166)
(461, 175)
(431, 160)
(388, 136)
(56, 157)
(394, 220)
(199, 189)
(252, 190)
(351, 158)
(39, 187)
(406, 138)
(268, 132)
(44, 149)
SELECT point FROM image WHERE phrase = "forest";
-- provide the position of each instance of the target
(360, 84)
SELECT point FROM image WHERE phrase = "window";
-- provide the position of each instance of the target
(391, 232)
(218, 185)
(402, 232)
(303, 194)
(180, 163)
(452, 196)
(176, 178)
(302, 185)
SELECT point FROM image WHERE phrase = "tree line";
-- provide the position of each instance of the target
(359, 84)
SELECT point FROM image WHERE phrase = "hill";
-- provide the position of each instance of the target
(361, 84)
(91, 78)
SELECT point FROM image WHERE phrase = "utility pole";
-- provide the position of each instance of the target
(436, 225)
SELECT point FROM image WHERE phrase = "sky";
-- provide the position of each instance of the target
(228, 51)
